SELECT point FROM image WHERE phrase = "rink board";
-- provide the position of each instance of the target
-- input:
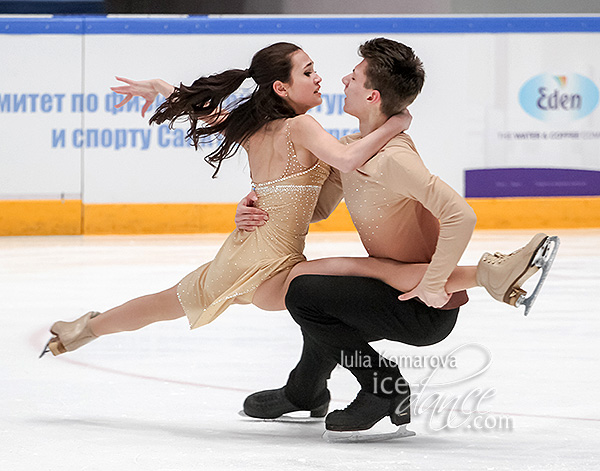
(501, 93)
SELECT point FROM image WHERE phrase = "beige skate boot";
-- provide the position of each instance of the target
(69, 336)
(503, 275)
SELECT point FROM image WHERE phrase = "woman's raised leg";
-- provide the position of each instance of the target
(402, 276)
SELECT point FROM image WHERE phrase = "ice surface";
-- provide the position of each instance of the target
(165, 398)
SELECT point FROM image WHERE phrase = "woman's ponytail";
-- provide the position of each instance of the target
(236, 122)
(202, 99)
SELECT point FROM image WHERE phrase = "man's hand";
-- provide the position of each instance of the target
(247, 217)
(431, 299)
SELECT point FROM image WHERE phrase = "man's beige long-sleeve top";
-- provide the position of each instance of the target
(403, 212)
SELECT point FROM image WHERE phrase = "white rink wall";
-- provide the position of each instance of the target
(62, 139)
(461, 121)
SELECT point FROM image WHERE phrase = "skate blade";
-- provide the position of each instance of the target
(53, 346)
(363, 436)
(46, 349)
(297, 418)
(515, 292)
(543, 259)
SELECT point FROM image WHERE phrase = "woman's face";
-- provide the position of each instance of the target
(302, 91)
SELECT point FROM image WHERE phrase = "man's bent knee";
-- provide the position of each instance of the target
(303, 289)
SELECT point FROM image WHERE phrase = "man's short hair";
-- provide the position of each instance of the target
(395, 71)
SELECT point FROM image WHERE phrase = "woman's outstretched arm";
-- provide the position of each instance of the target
(147, 89)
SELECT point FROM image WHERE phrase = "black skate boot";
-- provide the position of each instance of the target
(368, 409)
(273, 403)
(364, 412)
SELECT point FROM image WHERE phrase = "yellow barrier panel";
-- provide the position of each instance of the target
(540, 213)
(71, 217)
(180, 219)
(157, 218)
(40, 217)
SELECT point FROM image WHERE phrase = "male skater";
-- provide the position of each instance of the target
(401, 212)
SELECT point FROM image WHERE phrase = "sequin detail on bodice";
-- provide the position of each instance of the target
(247, 259)
(291, 199)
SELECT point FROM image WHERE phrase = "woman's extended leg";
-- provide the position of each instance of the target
(132, 315)
(138, 313)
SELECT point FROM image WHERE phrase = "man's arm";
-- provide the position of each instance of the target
(405, 173)
(248, 218)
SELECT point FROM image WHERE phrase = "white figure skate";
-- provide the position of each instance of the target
(503, 275)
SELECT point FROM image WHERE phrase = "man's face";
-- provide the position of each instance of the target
(354, 88)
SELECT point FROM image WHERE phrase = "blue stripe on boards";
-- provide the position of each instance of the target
(295, 25)
(41, 25)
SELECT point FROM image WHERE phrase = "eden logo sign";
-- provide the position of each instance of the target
(559, 98)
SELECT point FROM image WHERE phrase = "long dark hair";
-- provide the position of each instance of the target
(206, 98)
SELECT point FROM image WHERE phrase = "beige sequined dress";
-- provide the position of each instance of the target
(247, 259)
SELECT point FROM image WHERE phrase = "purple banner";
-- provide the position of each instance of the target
(515, 182)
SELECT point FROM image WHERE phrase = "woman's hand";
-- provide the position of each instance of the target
(401, 120)
(147, 89)
(436, 300)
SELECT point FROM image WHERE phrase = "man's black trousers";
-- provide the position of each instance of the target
(339, 316)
